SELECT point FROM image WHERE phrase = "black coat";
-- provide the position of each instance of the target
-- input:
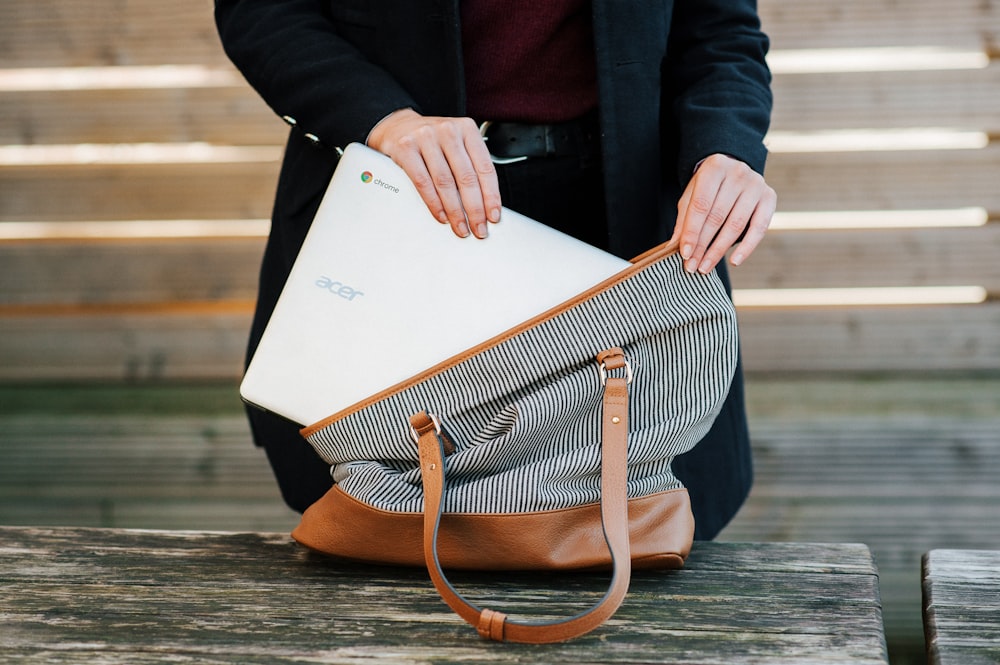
(678, 80)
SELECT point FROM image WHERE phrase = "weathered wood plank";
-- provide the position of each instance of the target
(219, 115)
(957, 99)
(131, 271)
(862, 258)
(258, 596)
(961, 591)
(139, 191)
(815, 24)
(960, 458)
(804, 181)
(47, 33)
(894, 400)
(201, 270)
(132, 456)
(872, 339)
(235, 115)
(105, 32)
(960, 99)
(153, 455)
(229, 513)
(904, 180)
(207, 340)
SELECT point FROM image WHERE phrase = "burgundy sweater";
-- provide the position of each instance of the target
(528, 60)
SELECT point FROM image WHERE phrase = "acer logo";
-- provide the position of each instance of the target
(338, 288)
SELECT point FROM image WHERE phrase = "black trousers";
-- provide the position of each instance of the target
(565, 193)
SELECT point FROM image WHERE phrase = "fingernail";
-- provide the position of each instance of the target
(705, 268)
(737, 259)
(691, 266)
(481, 231)
(443, 217)
(495, 215)
(463, 229)
(686, 251)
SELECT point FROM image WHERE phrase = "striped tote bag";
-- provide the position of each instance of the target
(548, 447)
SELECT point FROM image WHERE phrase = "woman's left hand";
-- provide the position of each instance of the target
(724, 198)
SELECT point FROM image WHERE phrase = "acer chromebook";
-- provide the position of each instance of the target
(381, 291)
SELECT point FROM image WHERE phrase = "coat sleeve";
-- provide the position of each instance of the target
(293, 55)
(718, 82)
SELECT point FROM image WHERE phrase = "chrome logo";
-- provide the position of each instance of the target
(367, 177)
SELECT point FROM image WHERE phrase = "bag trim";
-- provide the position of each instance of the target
(339, 525)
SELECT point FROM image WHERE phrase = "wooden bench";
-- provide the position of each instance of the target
(962, 606)
(99, 595)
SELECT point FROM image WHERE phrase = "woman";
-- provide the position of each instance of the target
(620, 123)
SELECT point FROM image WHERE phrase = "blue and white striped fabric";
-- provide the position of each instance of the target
(524, 414)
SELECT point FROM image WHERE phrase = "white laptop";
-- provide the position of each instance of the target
(374, 262)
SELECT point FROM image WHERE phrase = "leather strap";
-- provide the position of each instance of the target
(614, 517)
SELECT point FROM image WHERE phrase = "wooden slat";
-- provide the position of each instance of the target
(962, 606)
(889, 257)
(94, 457)
(903, 180)
(105, 32)
(226, 115)
(207, 341)
(138, 191)
(217, 514)
(810, 24)
(152, 456)
(192, 343)
(960, 457)
(958, 99)
(49, 33)
(962, 99)
(119, 272)
(166, 271)
(872, 339)
(804, 181)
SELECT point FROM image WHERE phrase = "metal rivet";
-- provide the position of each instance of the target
(616, 420)
(432, 467)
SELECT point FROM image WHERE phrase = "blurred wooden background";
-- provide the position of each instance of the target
(136, 176)
(128, 112)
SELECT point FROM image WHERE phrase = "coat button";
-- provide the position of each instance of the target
(290, 120)
(312, 137)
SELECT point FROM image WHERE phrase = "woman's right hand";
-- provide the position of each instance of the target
(448, 162)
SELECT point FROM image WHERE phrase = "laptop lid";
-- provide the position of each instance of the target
(373, 262)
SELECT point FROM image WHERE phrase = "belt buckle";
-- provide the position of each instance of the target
(483, 129)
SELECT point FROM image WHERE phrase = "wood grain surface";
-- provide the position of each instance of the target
(110, 596)
(962, 606)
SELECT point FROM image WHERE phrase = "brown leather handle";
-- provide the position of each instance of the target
(614, 517)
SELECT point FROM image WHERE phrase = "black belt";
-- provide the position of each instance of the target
(514, 141)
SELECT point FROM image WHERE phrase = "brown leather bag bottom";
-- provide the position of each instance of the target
(661, 528)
